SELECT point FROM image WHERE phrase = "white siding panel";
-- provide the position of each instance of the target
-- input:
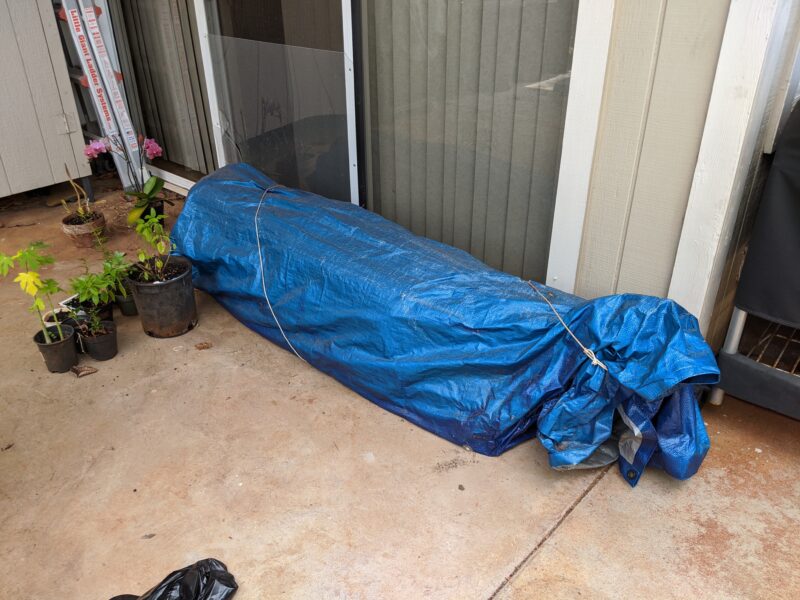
(661, 68)
(631, 68)
(681, 91)
(38, 119)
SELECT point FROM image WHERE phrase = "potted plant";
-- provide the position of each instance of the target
(84, 226)
(65, 316)
(116, 270)
(95, 291)
(56, 341)
(161, 283)
(146, 194)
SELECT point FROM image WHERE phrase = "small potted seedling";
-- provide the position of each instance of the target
(84, 226)
(95, 291)
(56, 341)
(162, 283)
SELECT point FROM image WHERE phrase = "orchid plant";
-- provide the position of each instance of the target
(145, 191)
(27, 263)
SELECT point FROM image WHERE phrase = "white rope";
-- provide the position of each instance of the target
(587, 351)
(263, 280)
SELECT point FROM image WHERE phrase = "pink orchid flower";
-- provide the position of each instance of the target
(152, 149)
(95, 148)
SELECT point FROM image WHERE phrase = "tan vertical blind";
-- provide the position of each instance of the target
(465, 104)
(167, 76)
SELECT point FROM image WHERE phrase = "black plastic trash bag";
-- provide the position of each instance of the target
(207, 579)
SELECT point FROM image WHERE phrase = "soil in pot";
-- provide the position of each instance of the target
(167, 308)
(106, 312)
(84, 230)
(60, 355)
(102, 345)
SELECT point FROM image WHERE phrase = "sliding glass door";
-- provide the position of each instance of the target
(464, 107)
(461, 109)
(280, 96)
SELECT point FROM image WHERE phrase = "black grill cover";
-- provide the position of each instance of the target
(770, 283)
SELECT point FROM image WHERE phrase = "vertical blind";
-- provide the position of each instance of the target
(165, 61)
(464, 108)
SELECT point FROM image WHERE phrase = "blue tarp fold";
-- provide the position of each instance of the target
(430, 333)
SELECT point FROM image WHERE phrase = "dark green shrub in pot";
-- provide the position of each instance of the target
(95, 291)
(162, 283)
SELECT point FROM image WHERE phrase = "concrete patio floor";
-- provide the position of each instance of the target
(169, 454)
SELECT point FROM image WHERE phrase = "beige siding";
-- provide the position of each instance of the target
(662, 60)
(39, 128)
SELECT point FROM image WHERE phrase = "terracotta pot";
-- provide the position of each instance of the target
(83, 234)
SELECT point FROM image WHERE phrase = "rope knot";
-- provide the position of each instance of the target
(593, 357)
(587, 351)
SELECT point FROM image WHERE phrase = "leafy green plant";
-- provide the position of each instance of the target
(146, 198)
(95, 290)
(153, 262)
(92, 293)
(115, 271)
(27, 263)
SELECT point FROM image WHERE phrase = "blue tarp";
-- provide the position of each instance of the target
(432, 334)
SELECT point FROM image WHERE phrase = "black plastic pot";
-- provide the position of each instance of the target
(105, 312)
(64, 319)
(127, 305)
(102, 347)
(59, 356)
(167, 308)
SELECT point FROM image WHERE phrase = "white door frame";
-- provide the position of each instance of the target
(754, 40)
(584, 103)
(349, 80)
(211, 85)
(350, 99)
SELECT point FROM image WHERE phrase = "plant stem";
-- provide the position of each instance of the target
(44, 327)
(141, 266)
(164, 266)
(55, 316)
(141, 162)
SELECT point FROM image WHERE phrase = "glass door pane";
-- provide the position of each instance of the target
(280, 83)
(464, 106)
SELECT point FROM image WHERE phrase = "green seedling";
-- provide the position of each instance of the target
(153, 262)
(26, 263)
